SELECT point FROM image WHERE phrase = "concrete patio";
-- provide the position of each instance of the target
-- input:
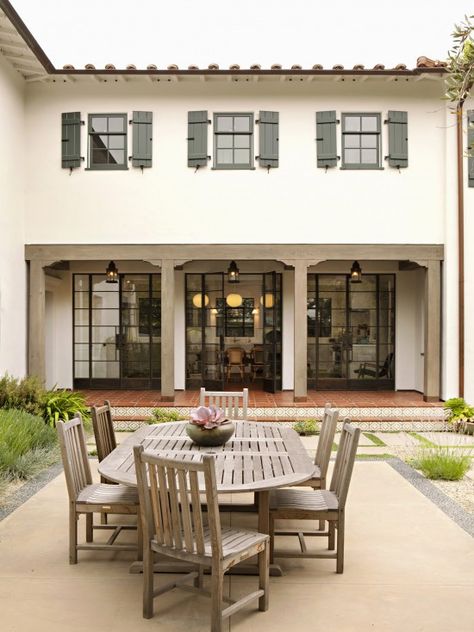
(408, 567)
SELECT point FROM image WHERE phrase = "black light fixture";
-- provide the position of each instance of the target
(233, 273)
(111, 273)
(356, 273)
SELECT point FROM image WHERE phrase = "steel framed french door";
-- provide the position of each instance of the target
(272, 331)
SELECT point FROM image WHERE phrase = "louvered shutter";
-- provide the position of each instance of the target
(70, 140)
(268, 139)
(142, 128)
(470, 148)
(326, 142)
(197, 138)
(397, 139)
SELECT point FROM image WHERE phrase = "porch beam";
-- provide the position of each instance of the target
(432, 368)
(240, 252)
(167, 330)
(301, 331)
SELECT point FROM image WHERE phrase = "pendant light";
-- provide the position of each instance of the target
(198, 300)
(233, 300)
(356, 273)
(111, 273)
(233, 273)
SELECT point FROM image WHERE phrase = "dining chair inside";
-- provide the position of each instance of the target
(87, 498)
(319, 504)
(174, 525)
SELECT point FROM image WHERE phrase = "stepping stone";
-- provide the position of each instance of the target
(397, 439)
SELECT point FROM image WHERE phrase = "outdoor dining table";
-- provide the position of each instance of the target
(258, 458)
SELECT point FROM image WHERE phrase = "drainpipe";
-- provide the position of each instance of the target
(460, 153)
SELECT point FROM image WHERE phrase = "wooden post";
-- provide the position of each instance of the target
(301, 331)
(36, 320)
(432, 368)
(167, 330)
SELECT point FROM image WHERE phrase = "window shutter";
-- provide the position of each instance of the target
(197, 138)
(397, 139)
(70, 140)
(142, 127)
(326, 143)
(470, 148)
(268, 139)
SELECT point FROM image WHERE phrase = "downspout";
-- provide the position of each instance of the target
(460, 153)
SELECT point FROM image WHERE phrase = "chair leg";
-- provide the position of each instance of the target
(272, 537)
(199, 581)
(217, 593)
(340, 545)
(322, 525)
(331, 538)
(103, 518)
(139, 539)
(73, 518)
(89, 527)
(264, 576)
(147, 582)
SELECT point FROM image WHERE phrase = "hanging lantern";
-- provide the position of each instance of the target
(233, 273)
(356, 273)
(111, 273)
(234, 300)
(268, 300)
(197, 300)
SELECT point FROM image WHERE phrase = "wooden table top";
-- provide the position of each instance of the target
(260, 456)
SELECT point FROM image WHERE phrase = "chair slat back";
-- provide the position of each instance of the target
(326, 438)
(103, 430)
(170, 502)
(234, 403)
(74, 455)
(344, 465)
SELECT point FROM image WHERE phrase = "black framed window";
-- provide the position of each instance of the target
(235, 322)
(107, 141)
(233, 141)
(361, 147)
(319, 313)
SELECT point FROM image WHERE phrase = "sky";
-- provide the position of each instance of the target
(243, 32)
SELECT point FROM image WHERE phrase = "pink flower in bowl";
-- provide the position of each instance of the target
(208, 417)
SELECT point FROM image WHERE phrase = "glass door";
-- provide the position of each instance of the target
(351, 332)
(272, 331)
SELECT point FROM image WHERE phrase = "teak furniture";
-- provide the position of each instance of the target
(320, 504)
(88, 498)
(174, 525)
(235, 359)
(235, 404)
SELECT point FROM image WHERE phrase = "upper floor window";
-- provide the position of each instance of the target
(233, 141)
(108, 141)
(361, 141)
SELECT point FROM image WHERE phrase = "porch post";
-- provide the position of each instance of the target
(167, 330)
(432, 297)
(301, 331)
(36, 320)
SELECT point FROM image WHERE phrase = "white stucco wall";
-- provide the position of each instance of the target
(296, 203)
(468, 276)
(12, 238)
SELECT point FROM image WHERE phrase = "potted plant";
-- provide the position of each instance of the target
(209, 426)
(461, 415)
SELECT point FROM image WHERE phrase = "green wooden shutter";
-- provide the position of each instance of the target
(268, 139)
(70, 140)
(470, 148)
(197, 138)
(326, 143)
(142, 127)
(397, 139)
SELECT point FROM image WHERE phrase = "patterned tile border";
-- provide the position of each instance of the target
(447, 505)
(389, 418)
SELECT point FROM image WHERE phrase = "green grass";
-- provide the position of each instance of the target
(442, 463)
(375, 440)
(162, 415)
(423, 440)
(369, 457)
(27, 445)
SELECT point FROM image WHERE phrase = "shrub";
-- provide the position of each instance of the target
(307, 427)
(162, 415)
(61, 404)
(23, 394)
(27, 444)
(459, 410)
(442, 464)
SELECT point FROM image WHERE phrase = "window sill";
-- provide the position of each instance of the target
(124, 168)
(233, 168)
(360, 168)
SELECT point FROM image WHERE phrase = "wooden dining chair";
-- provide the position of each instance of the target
(319, 504)
(234, 403)
(88, 498)
(173, 525)
(235, 359)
